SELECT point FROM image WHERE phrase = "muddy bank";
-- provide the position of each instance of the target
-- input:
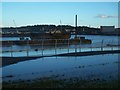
(13, 60)
(63, 83)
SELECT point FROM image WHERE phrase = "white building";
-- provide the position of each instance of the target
(107, 29)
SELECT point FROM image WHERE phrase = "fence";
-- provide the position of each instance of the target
(43, 49)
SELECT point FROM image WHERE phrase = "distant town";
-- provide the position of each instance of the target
(80, 30)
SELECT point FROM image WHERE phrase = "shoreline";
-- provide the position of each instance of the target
(48, 82)
(12, 60)
(28, 35)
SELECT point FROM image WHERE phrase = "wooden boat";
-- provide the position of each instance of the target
(49, 39)
(57, 34)
(47, 42)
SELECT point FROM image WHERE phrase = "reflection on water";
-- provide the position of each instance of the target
(11, 38)
(87, 67)
(95, 46)
(97, 38)
(24, 51)
(94, 38)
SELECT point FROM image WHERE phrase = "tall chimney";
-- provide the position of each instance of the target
(75, 25)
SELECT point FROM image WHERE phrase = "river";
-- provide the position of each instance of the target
(30, 50)
(103, 66)
(86, 67)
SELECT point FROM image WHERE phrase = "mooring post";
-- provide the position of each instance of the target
(75, 48)
(27, 48)
(42, 46)
(55, 46)
(80, 46)
(102, 45)
(112, 46)
(91, 48)
(68, 45)
(11, 49)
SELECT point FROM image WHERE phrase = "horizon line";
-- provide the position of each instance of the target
(56, 25)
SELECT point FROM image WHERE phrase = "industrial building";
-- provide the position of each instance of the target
(107, 29)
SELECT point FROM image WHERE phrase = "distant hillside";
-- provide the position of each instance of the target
(47, 28)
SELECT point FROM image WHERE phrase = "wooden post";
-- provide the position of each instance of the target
(102, 45)
(42, 47)
(80, 46)
(75, 48)
(27, 48)
(68, 45)
(112, 46)
(11, 49)
(55, 46)
(91, 47)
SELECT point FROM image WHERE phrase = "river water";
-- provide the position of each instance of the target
(85, 67)
(30, 50)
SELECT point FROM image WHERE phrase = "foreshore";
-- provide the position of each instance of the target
(49, 82)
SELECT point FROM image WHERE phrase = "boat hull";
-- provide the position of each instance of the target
(50, 36)
(47, 42)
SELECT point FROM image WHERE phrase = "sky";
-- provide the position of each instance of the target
(60, 0)
(94, 14)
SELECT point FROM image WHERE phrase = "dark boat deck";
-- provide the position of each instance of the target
(45, 42)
